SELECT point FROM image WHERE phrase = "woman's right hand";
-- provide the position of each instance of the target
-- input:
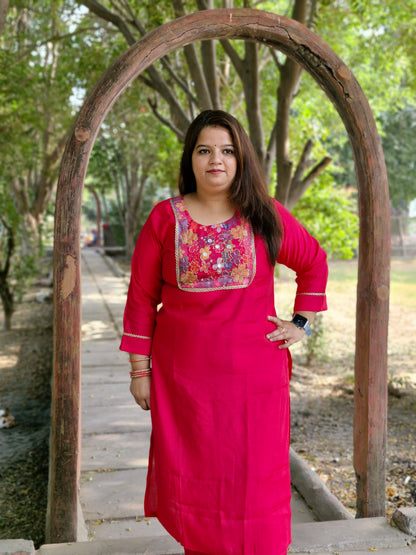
(140, 389)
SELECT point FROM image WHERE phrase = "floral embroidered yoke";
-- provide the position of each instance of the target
(208, 257)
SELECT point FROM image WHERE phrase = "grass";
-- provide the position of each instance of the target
(339, 320)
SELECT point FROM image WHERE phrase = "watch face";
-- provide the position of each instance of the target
(299, 321)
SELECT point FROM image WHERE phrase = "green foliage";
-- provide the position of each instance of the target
(397, 130)
(376, 40)
(329, 215)
(52, 54)
(399, 146)
(315, 347)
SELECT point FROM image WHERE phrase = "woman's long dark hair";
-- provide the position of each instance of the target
(249, 190)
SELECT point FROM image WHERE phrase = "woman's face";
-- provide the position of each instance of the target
(213, 161)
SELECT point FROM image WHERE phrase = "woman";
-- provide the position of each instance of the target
(218, 387)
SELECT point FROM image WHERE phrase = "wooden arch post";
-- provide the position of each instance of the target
(341, 87)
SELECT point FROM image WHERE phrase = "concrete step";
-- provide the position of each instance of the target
(139, 546)
(346, 537)
(342, 536)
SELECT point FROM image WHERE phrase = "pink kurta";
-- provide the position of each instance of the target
(218, 476)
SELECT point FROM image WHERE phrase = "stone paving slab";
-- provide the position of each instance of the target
(102, 355)
(347, 535)
(16, 547)
(102, 345)
(164, 545)
(119, 529)
(97, 328)
(126, 419)
(99, 375)
(300, 512)
(117, 451)
(113, 495)
(395, 551)
(109, 394)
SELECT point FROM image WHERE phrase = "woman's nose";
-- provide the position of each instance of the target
(215, 155)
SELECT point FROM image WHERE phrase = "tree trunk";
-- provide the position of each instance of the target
(4, 4)
(7, 302)
(251, 84)
(31, 235)
(134, 209)
(289, 81)
(6, 293)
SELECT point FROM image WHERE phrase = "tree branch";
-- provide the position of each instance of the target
(251, 84)
(209, 60)
(270, 151)
(290, 74)
(209, 63)
(176, 130)
(304, 162)
(198, 77)
(300, 186)
(316, 170)
(195, 69)
(9, 250)
(275, 58)
(157, 83)
(20, 195)
(103, 13)
(237, 62)
(179, 81)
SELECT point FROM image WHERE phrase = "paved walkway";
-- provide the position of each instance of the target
(115, 439)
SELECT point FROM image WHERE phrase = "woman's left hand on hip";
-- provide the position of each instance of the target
(285, 331)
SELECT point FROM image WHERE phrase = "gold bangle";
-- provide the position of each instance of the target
(140, 373)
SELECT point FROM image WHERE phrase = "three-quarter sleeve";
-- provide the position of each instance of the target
(144, 290)
(302, 253)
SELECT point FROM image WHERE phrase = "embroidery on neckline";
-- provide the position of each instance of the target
(212, 257)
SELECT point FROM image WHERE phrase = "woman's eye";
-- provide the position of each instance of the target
(203, 151)
(228, 151)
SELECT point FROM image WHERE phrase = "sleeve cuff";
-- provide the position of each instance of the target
(312, 302)
(136, 344)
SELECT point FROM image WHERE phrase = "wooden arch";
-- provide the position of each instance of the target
(298, 42)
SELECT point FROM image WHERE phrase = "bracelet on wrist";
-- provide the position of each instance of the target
(138, 366)
(140, 373)
(142, 359)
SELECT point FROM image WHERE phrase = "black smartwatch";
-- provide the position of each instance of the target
(302, 322)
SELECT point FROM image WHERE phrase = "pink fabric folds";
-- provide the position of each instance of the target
(218, 476)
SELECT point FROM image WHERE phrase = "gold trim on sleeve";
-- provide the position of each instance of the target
(136, 336)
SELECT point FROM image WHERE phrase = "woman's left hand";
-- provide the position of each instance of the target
(285, 331)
